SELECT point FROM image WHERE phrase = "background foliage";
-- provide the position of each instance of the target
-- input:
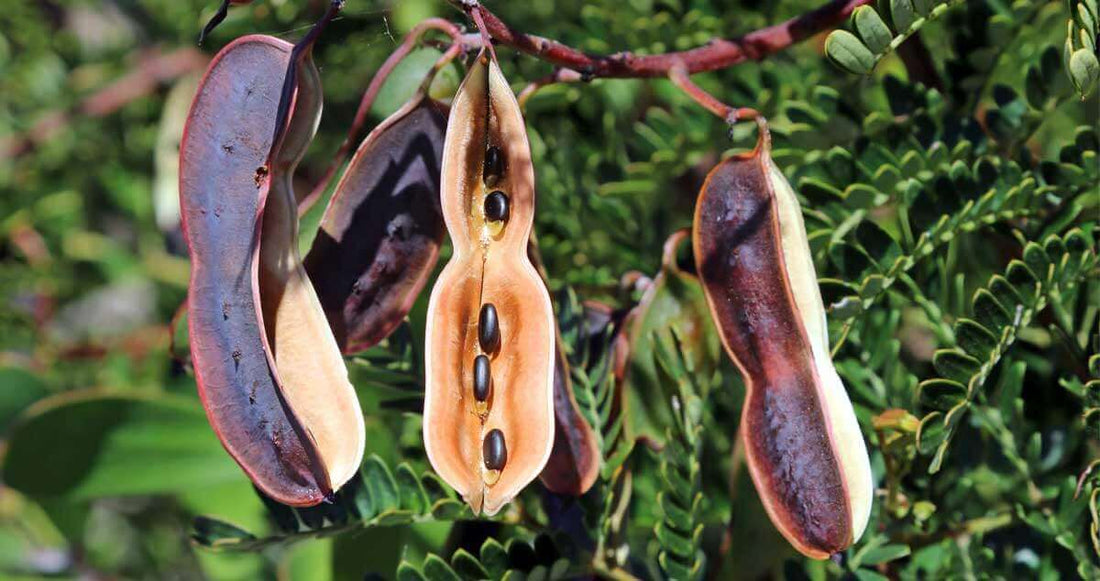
(953, 225)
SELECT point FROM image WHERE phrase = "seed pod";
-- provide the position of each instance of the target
(802, 442)
(380, 235)
(489, 265)
(269, 373)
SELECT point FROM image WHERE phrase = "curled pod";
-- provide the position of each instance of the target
(380, 235)
(803, 444)
(269, 372)
(489, 266)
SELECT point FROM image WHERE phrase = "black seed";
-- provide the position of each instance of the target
(488, 328)
(483, 380)
(494, 451)
(494, 166)
(496, 207)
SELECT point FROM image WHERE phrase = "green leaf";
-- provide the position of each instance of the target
(436, 569)
(407, 572)
(941, 394)
(381, 487)
(989, 311)
(923, 7)
(876, 36)
(860, 197)
(413, 497)
(1036, 259)
(1084, 70)
(212, 532)
(955, 365)
(103, 444)
(494, 557)
(869, 575)
(20, 389)
(885, 554)
(847, 52)
(975, 339)
(467, 566)
(903, 14)
(931, 432)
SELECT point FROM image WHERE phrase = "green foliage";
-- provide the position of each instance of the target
(516, 559)
(590, 359)
(860, 54)
(1047, 272)
(1080, 53)
(376, 497)
(681, 500)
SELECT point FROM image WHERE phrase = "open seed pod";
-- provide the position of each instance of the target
(803, 445)
(269, 372)
(489, 393)
(380, 234)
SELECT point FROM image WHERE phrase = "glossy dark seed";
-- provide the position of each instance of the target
(483, 379)
(493, 450)
(494, 166)
(488, 328)
(496, 207)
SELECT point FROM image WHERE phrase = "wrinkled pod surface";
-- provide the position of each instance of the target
(380, 235)
(269, 372)
(489, 401)
(803, 445)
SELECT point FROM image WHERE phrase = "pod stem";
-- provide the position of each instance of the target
(560, 75)
(215, 20)
(473, 8)
(412, 38)
(680, 77)
(290, 82)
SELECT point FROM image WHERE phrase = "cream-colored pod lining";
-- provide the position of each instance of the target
(306, 356)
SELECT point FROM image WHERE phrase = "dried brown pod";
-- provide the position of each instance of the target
(269, 372)
(802, 442)
(489, 266)
(379, 238)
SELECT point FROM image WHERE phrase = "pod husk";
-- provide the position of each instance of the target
(269, 373)
(488, 267)
(803, 445)
(380, 234)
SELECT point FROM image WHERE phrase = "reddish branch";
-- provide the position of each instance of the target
(717, 54)
(680, 77)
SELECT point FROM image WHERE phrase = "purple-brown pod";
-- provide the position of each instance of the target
(380, 235)
(268, 369)
(802, 442)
